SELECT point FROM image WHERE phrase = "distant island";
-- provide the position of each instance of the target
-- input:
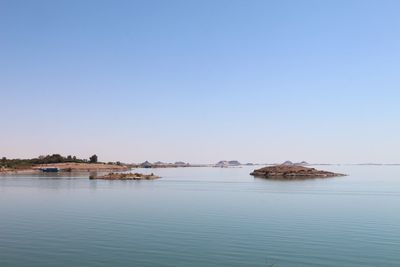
(289, 163)
(160, 164)
(226, 164)
(291, 172)
(125, 176)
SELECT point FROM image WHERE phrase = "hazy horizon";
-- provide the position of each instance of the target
(201, 81)
(242, 162)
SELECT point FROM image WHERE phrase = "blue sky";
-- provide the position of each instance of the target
(200, 81)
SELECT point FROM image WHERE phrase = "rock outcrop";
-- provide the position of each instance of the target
(226, 164)
(289, 172)
(125, 176)
(289, 163)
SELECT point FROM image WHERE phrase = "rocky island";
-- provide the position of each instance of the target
(125, 176)
(292, 172)
(227, 164)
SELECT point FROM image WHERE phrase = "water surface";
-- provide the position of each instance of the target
(202, 217)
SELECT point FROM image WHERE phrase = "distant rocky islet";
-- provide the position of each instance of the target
(125, 176)
(292, 171)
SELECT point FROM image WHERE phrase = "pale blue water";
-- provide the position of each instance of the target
(202, 217)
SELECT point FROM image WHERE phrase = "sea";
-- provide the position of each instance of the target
(202, 216)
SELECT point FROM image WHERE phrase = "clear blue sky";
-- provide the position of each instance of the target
(200, 81)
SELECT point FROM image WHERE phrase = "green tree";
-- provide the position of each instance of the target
(93, 159)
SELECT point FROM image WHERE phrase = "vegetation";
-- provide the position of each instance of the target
(49, 159)
(93, 159)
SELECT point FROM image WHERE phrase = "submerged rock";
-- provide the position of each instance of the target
(289, 172)
(126, 176)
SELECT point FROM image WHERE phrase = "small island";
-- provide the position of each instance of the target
(125, 176)
(292, 172)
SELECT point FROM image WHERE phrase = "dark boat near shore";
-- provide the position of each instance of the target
(49, 169)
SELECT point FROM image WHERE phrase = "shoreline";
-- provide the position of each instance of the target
(67, 167)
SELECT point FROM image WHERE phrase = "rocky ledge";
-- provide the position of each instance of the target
(291, 172)
(126, 176)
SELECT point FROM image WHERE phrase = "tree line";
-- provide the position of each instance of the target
(48, 159)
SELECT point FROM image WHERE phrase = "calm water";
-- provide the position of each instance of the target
(202, 217)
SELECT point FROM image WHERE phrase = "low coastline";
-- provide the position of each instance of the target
(67, 167)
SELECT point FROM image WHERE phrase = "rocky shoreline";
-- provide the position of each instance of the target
(125, 176)
(292, 172)
(67, 167)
